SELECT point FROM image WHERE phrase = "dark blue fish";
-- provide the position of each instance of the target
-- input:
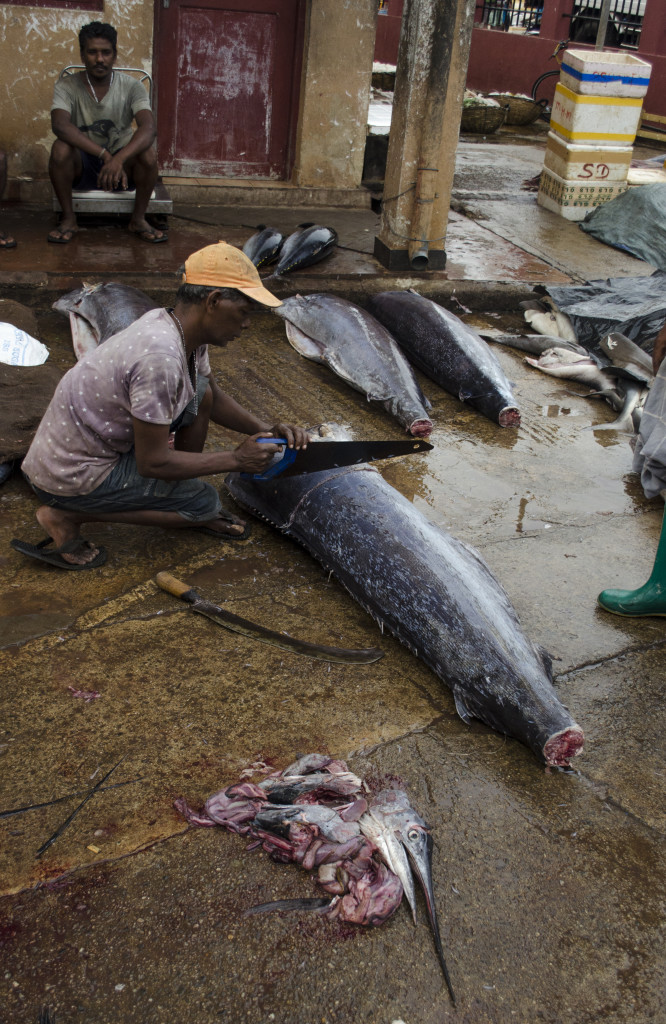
(449, 352)
(264, 246)
(432, 592)
(308, 244)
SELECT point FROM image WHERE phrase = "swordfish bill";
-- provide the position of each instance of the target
(339, 655)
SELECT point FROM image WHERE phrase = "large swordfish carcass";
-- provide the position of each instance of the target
(433, 592)
(331, 330)
(98, 311)
(449, 352)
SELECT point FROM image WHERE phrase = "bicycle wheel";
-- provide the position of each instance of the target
(542, 92)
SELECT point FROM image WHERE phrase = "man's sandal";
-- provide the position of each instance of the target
(60, 237)
(53, 556)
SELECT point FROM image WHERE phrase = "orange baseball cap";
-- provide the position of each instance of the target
(224, 266)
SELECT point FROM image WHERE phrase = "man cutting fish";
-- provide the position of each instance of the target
(102, 453)
(96, 147)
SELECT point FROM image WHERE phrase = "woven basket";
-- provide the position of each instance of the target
(520, 109)
(482, 119)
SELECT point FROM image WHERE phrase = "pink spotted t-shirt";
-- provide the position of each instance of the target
(142, 373)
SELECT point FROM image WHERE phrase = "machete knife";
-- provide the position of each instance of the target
(341, 655)
(322, 455)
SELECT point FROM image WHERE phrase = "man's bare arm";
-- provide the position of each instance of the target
(156, 461)
(64, 129)
(113, 173)
(227, 412)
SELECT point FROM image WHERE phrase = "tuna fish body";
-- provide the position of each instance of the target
(433, 592)
(449, 352)
(331, 330)
(96, 312)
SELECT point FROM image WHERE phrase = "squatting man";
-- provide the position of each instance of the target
(101, 452)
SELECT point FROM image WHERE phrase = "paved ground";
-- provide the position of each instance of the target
(549, 885)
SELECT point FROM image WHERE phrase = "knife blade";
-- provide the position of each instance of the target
(340, 655)
(323, 455)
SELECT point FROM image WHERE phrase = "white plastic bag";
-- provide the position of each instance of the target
(20, 349)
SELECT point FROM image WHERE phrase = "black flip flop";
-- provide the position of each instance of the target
(57, 236)
(150, 235)
(6, 243)
(226, 536)
(53, 556)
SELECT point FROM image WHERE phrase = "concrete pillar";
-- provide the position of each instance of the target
(427, 104)
(556, 19)
(335, 93)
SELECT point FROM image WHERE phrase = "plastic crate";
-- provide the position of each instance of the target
(586, 163)
(602, 120)
(574, 199)
(592, 73)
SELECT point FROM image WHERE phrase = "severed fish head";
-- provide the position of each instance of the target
(314, 777)
(404, 841)
(401, 836)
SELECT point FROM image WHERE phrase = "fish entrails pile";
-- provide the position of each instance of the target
(318, 814)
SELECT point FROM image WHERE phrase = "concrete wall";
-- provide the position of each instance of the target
(37, 42)
(504, 61)
(509, 62)
(335, 93)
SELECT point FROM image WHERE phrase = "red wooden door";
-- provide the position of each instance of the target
(227, 78)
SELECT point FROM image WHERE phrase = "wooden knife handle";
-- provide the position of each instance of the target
(173, 586)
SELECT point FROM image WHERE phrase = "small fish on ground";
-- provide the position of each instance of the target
(535, 344)
(624, 382)
(544, 316)
(307, 245)
(264, 246)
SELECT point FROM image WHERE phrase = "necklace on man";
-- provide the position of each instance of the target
(191, 362)
(91, 86)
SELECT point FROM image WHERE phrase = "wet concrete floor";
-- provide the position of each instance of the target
(549, 885)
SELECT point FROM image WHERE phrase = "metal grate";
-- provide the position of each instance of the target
(524, 15)
(624, 24)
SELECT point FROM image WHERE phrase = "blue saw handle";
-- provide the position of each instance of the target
(277, 467)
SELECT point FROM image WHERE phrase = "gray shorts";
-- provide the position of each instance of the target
(125, 490)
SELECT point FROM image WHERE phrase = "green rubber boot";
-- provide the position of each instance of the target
(650, 599)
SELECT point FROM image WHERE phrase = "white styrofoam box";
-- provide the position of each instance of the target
(574, 199)
(602, 120)
(599, 73)
(586, 163)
